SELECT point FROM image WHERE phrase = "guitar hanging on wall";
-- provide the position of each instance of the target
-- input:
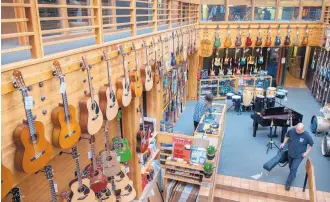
(124, 93)
(135, 77)
(259, 37)
(238, 41)
(278, 36)
(147, 78)
(228, 39)
(172, 53)
(305, 40)
(248, 42)
(205, 49)
(33, 150)
(66, 132)
(91, 117)
(142, 136)
(287, 40)
(177, 52)
(269, 37)
(217, 42)
(296, 41)
(156, 66)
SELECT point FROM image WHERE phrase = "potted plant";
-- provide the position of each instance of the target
(208, 170)
(210, 152)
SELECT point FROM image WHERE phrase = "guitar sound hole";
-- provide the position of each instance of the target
(121, 174)
(109, 158)
(96, 172)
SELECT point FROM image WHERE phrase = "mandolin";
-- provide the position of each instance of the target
(109, 159)
(7, 181)
(172, 53)
(238, 41)
(49, 176)
(156, 66)
(287, 40)
(217, 42)
(296, 41)
(135, 77)
(269, 37)
(17, 196)
(66, 131)
(147, 77)
(305, 40)
(33, 150)
(121, 145)
(228, 39)
(248, 41)
(142, 137)
(259, 38)
(91, 117)
(278, 36)
(80, 190)
(124, 93)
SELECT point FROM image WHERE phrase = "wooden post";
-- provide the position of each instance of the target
(306, 61)
(323, 11)
(227, 10)
(133, 17)
(64, 14)
(21, 26)
(169, 14)
(97, 12)
(277, 10)
(252, 9)
(300, 10)
(154, 103)
(155, 16)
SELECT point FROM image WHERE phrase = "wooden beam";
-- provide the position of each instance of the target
(133, 18)
(252, 9)
(98, 21)
(300, 10)
(170, 14)
(21, 26)
(64, 14)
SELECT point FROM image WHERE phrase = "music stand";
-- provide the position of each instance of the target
(271, 141)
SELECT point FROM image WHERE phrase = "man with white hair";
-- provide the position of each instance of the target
(297, 139)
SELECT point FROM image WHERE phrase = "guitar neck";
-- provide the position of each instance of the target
(124, 64)
(119, 130)
(29, 117)
(106, 139)
(52, 190)
(109, 72)
(91, 91)
(78, 172)
(93, 155)
(65, 103)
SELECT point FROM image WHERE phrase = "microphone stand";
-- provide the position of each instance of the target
(271, 142)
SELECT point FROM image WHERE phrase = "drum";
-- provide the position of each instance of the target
(270, 101)
(229, 96)
(271, 91)
(237, 102)
(325, 145)
(259, 104)
(280, 95)
(247, 96)
(319, 124)
(258, 91)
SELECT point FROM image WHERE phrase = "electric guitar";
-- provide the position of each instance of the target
(17, 196)
(110, 165)
(7, 181)
(185, 51)
(221, 73)
(238, 41)
(251, 61)
(226, 60)
(121, 145)
(91, 117)
(243, 58)
(49, 176)
(278, 36)
(217, 42)
(230, 70)
(172, 53)
(305, 40)
(135, 77)
(33, 150)
(261, 58)
(248, 42)
(156, 66)
(212, 73)
(259, 38)
(228, 39)
(80, 190)
(269, 37)
(147, 77)
(287, 40)
(235, 62)
(266, 65)
(142, 136)
(124, 93)
(217, 60)
(296, 41)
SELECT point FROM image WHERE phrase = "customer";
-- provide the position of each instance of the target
(297, 139)
(202, 106)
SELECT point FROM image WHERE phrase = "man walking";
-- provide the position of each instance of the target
(202, 106)
(297, 139)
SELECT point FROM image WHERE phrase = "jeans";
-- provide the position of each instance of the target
(293, 165)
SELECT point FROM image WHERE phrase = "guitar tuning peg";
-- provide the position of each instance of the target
(34, 117)
(42, 98)
(54, 73)
(92, 78)
(29, 88)
(44, 111)
(41, 84)
(84, 80)
(85, 92)
(15, 84)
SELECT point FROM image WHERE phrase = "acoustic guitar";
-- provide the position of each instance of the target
(205, 49)
(287, 40)
(121, 145)
(121, 180)
(177, 52)
(109, 159)
(278, 36)
(7, 181)
(259, 38)
(238, 41)
(296, 41)
(108, 101)
(269, 37)
(305, 40)
(80, 190)
(17, 196)
(50, 176)
(141, 136)
(181, 47)
(217, 42)
(128, 193)
(184, 46)
(66, 131)
(124, 93)
(172, 53)
(228, 39)
(146, 72)
(135, 77)
(156, 66)
(248, 41)
(33, 150)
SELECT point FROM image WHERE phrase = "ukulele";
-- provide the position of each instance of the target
(124, 93)
(33, 150)
(135, 78)
(287, 40)
(205, 45)
(98, 181)
(238, 41)
(296, 41)
(110, 165)
(49, 176)
(7, 181)
(259, 38)
(305, 40)
(172, 53)
(91, 118)
(217, 42)
(17, 196)
(228, 39)
(121, 145)
(147, 77)
(142, 137)
(248, 42)
(66, 132)
(156, 66)
(278, 36)
(269, 37)
(80, 190)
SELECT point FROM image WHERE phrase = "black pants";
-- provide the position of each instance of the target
(216, 70)
(293, 165)
(195, 124)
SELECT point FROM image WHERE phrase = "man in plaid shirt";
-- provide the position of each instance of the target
(202, 106)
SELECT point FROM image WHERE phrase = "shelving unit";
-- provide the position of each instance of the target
(218, 86)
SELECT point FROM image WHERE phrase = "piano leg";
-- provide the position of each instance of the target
(284, 130)
(255, 127)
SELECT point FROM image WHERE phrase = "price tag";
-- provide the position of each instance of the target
(90, 154)
(118, 158)
(137, 60)
(63, 87)
(283, 61)
(55, 187)
(28, 102)
(110, 71)
(152, 192)
(127, 169)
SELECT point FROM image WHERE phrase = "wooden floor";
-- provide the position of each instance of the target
(292, 82)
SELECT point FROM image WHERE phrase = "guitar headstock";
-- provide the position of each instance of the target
(121, 51)
(105, 56)
(18, 80)
(85, 65)
(49, 172)
(65, 196)
(154, 43)
(17, 196)
(57, 70)
(259, 27)
(306, 29)
(74, 151)
(278, 27)
(133, 47)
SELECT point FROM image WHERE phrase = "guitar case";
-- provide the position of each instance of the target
(280, 158)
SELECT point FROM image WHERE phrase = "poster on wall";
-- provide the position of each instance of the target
(181, 148)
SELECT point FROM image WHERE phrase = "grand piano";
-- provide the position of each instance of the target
(279, 116)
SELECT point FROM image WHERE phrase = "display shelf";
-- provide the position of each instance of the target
(184, 175)
(146, 166)
(165, 154)
(182, 179)
(184, 165)
(149, 187)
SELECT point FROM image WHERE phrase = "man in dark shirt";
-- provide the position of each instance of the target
(297, 139)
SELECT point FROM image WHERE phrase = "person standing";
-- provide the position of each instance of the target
(202, 106)
(297, 139)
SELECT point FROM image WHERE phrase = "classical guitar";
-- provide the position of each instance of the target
(248, 41)
(269, 37)
(109, 159)
(238, 41)
(124, 93)
(80, 190)
(259, 38)
(135, 77)
(17, 196)
(205, 49)
(98, 181)
(146, 72)
(172, 53)
(141, 136)
(49, 176)
(287, 40)
(156, 66)
(33, 150)
(305, 40)
(296, 41)
(7, 181)
(228, 39)
(278, 36)
(121, 145)
(217, 42)
(66, 131)
(91, 117)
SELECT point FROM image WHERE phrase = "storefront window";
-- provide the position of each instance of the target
(212, 12)
(288, 13)
(311, 13)
(264, 13)
(239, 13)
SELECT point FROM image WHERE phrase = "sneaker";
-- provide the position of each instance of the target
(287, 187)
